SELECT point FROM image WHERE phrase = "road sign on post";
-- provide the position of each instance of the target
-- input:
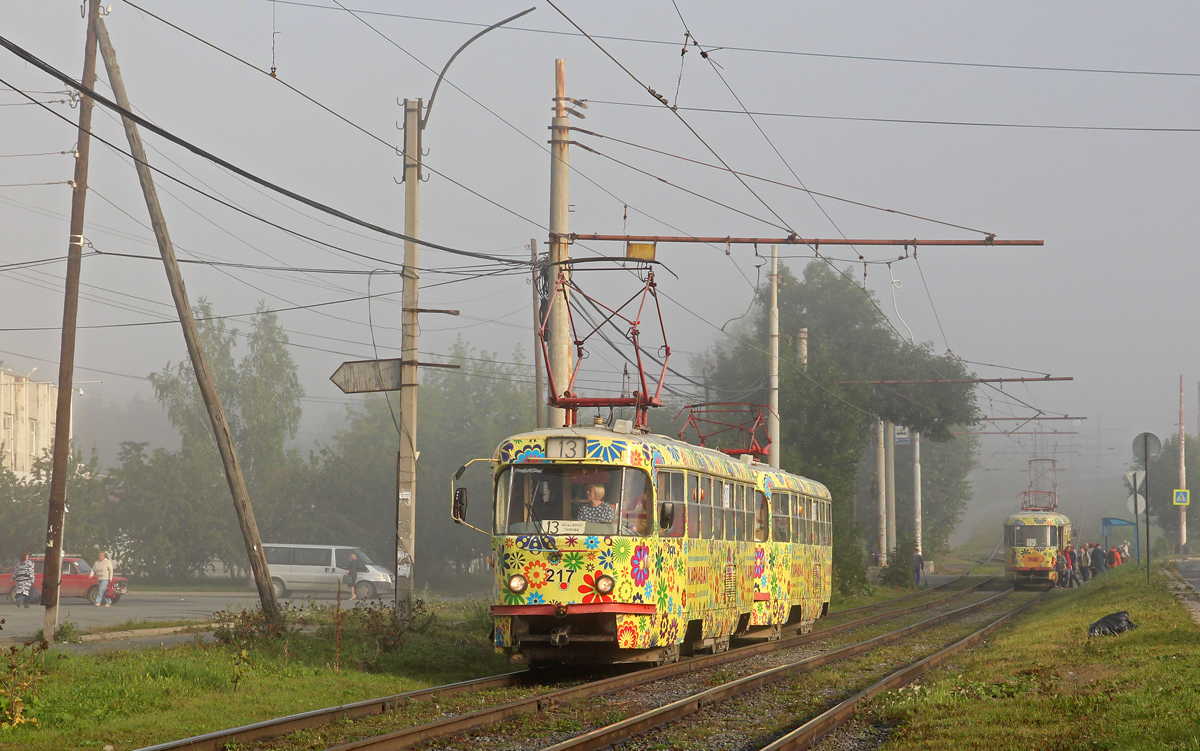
(363, 376)
(1182, 497)
(901, 435)
(1136, 503)
(1134, 477)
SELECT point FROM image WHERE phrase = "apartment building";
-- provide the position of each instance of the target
(27, 410)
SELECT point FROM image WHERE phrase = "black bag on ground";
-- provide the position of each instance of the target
(1111, 625)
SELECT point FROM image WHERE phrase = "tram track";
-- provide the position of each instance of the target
(540, 702)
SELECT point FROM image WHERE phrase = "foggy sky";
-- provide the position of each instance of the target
(1104, 301)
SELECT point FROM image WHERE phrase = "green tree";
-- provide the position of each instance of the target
(1164, 478)
(827, 413)
(464, 414)
(261, 398)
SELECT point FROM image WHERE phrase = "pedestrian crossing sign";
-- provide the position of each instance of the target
(1182, 497)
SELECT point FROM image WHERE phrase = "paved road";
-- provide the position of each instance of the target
(22, 623)
(1189, 569)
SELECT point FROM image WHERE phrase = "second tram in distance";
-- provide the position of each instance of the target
(619, 547)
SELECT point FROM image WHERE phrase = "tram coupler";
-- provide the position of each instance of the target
(559, 637)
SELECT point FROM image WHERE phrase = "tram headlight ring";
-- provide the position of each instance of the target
(605, 585)
(517, 584)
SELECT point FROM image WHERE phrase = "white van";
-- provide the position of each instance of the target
(313, 569)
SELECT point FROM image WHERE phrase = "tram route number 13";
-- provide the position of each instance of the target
(565, 448)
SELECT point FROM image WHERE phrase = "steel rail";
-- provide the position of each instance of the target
(409, 737)
(812, 731)
(257, 731)
(885, 603)
(216, 741)
(625, 729)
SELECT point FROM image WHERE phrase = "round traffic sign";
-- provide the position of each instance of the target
(1136, 504)
(1146, 444)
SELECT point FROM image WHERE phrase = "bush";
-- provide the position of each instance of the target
(899, 568)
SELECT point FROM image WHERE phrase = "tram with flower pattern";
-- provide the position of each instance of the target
(616, 547)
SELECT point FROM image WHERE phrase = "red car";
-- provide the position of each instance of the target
(77, 580)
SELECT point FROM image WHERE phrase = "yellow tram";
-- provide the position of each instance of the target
(1034, 537)
(623, 547)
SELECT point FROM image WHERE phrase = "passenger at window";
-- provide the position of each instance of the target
(595, 509)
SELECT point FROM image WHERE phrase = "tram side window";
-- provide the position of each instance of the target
(798, 519)
(810, 509)
(760, 516)
(780, 516)
(670, 490)
(827, 525)
(730, 513)
(718, 510)
(693, 506)
(739, 505)
(706, 508)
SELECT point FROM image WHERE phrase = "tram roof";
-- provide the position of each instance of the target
(1035, 518)
(605, 446)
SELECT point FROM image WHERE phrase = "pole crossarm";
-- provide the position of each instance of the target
(958, 380)
(815, 242)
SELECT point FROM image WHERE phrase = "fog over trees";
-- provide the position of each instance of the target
(166, 513)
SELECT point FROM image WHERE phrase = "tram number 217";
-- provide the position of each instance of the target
(565, 448)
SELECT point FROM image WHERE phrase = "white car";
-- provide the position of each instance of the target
(320, 569)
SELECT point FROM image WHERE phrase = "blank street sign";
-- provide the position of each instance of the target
(361, 376)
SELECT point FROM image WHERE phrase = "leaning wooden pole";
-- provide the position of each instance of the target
(61, 462)
(208, 388)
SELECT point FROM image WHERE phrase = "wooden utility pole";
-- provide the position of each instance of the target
(559, 324)
(917, 522)
(191, 335)
(539, 388)
(406, 466)
(61, 463)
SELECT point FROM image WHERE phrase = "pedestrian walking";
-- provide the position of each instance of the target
(1060, 570)
(1085, 563)
(23, 580)
(1073, 568)
(102, 569)
(918, 561)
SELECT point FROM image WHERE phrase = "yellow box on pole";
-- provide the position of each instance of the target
(640, 251)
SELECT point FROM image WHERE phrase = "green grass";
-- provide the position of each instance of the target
(141, 697)
(1042, 684)
(874, 594)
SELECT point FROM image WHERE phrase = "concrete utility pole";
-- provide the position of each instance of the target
(916, 444)
(1182, 471)
(406, 464)
(889, 447)
(208, 387)
(539, 388)
(559, 324)
(802, 343)
(61, 463)
(773, 396)
(881, 492)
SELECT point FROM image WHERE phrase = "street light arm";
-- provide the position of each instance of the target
(429, 107)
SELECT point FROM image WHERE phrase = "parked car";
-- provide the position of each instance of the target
(321, 568)
(77, 580)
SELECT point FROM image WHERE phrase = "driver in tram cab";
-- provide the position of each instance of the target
(594, 509)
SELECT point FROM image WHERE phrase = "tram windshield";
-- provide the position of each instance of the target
(1026, 536)
(557, 500)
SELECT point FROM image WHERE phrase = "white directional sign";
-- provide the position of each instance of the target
(361, 376)
(1182, 497)
(1136, 504)
(1135, 477)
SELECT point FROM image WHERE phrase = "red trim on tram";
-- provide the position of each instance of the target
(760, 596)
(624, 608)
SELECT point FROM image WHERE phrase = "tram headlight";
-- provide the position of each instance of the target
(517, 584)
(605, 585)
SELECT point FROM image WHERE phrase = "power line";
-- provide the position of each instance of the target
(50, 70)
(769, 51)
(904, 121)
